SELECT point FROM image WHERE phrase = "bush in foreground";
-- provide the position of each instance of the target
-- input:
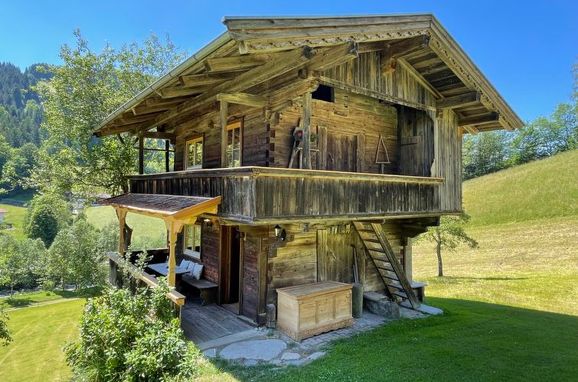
(131, 337)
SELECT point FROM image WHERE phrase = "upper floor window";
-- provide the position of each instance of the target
(195, 153)
(192, 241)
(234, 144)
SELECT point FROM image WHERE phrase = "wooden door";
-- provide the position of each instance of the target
(231, 272)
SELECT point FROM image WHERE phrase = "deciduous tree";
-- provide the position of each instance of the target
(448, 235)
(84, 90)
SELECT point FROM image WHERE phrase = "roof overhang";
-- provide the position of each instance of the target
(183, 209)
(440, 65)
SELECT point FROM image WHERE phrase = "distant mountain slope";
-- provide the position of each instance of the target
(20, 110)
(546, 188)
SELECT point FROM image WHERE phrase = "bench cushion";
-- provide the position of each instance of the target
(199, 284)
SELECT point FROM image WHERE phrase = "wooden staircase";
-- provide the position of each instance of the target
(378, 249)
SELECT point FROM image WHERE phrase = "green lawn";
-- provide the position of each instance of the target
(39, 333)
(15, 216)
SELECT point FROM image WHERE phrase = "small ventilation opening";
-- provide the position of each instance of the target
(324, 93)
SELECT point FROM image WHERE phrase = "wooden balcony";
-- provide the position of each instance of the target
(266, 195)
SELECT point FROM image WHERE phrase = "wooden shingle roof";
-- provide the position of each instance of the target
(164, 206)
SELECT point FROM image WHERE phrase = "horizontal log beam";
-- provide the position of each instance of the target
(460, 100)
(243, 99)
(479, 120)
(235, 63)
(191, 80)
(159, 135)
(327, 58)
(182, 91)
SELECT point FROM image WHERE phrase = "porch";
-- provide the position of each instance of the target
(201, 323)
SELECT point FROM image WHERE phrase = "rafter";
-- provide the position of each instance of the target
(460, 100)
(419, 78)
(205, 79)
(235, 63)
(479, 119)
(281, 64)
(243, 99)
(333, 56)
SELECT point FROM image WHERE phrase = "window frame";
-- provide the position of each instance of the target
(237, 124)
(195, 140)
(192, 252)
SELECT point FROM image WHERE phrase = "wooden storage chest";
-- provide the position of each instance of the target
(311, 309)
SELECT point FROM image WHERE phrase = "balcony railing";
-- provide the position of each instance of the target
(266, 194)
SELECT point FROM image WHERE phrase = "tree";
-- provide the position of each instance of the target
(46, 215)
(76, 256)
(448, 235)
(19, 262)
(132, 337)
(84, 90)
(17, 169)
(485, 153)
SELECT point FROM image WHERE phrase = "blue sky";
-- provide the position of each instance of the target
(525, 48)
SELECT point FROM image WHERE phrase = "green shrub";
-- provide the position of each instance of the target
(5, 338)
(126, 337)
(46, 215)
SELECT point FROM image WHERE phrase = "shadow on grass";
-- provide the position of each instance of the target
(472, 341)
(81, 293)
(18, 302)
(459, 278)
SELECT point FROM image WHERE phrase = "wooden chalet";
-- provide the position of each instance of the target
(307, 150)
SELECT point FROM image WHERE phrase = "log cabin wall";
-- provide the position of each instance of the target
(448, 161)
(210, 251)
(346, 133)
(365, 72)
(322, 253)
(255, 137)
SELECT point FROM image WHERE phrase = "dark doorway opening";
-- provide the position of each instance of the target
(231, 261)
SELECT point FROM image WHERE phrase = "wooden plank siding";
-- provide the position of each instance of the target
(264, 195)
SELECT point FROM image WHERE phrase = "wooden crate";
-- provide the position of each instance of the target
(311, 309)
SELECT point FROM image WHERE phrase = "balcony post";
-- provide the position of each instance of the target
(224, 115)
(141, 153)
(121, 214)
(306, 121)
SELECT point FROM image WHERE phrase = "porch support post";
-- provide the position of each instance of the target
(141, 153)
(407, 260)
(306, 130)
(173, 227)
(167, 155)
(121, 214)
(224, 115)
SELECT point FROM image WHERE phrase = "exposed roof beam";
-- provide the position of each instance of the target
(235, 63)
(159, 135)
(191, 80)
(419, 78)
(396, 49)
(181, 91)
(243, 99)
(479, 119)
(460, 100)
(280, 64)
(333, 56)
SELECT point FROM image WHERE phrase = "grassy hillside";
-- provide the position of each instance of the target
(538, 190)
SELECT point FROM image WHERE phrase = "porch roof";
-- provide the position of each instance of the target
(172, 207)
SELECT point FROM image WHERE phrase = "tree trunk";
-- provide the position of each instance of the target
(440, 261)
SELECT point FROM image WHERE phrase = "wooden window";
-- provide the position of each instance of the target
(234, 144)
(194, 154)
(192, 241)
(324, 93)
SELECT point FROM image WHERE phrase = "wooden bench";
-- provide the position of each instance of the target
(206, 288)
